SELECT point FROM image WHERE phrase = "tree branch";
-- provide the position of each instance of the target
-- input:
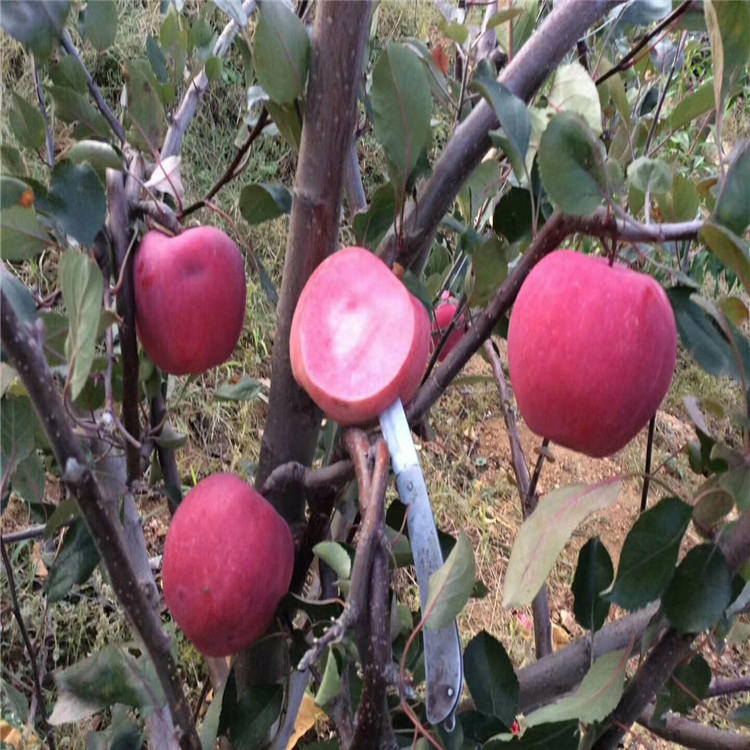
(688, 733)
(114, 123)
(470, 142)
(671, 650)
(338, 43)
(122, 192)
(197, 87)
(529, 498)
(23, 346)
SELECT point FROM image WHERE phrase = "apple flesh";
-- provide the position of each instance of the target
(444, 312)
(189, 299)
(591, 352)
(359, 339)
(228, 561)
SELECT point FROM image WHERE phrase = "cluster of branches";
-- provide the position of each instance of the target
(324, 170)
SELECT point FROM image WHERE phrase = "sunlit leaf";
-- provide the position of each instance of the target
(545, 532)
(573, 90)
(334, 555)
(331, 685)
(233, 8)
(450, 586)
(652, 175)
(596, 696)
(245, 389)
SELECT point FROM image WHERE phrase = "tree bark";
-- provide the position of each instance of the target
(338, 44)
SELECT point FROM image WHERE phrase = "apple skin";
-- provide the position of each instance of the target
(189, 299)
(591, 352)
(359, 340)
(444, 312)
(228, 561)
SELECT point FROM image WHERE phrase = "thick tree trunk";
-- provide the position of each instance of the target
(338, 44)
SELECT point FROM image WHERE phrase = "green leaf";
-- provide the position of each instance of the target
(478, 190)
(37, 24)
(571, 163)
(210, 726)
(596, 696)
(17, 423)
(336, 556)
(260, 202)
(450, 586)
(700, 590)
(100, 155)
(511, 112)
(681, 202)
(736, 482)
(512, 217)
(99, 23)
(573, 90)
(245, 389)
(454, 30)
(562, 735)
(730, 249)
(69, 74)
(489, 269)
(401, 105)
(145, 105)
(28, 479)
(728, 27)
(649, 554)
(14, 192)
(173, 37)
(652, 175)
(156, 59)
(546, 531)
(249, 719)
(491, 678)
(705, 342)
(112, 676)
(370, 226)
(72, 106)
(233, 8)
(21, 235)
(26, 122)
(281, 53)
(169, 438)
(74, 564)
(17, 700)
(733, 205)
(286, 119)
(331, 685)
(688, 685)
(522, 27)
(82, 288)
(80, 204)
(698, 103)
(19, 298)
(594, 574)
(11, 161)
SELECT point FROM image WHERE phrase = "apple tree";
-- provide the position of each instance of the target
(517, 129)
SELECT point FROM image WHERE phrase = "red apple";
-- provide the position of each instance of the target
(444, 312)
(227, 563)
(591, 351)
(359, 339)
(189, 299)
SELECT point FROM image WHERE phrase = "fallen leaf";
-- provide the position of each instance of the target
(305, 721)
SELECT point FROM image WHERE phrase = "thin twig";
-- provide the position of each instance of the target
(647, 469)
(103, 107)
(43, 112)
(529, 499)
(26, 641)
(624, 64)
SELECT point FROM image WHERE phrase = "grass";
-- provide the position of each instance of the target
(466, 465)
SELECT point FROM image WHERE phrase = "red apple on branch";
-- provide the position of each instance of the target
(444, 312)
(359, 339)
(591, 351)
(228, 561)
(190, 299)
